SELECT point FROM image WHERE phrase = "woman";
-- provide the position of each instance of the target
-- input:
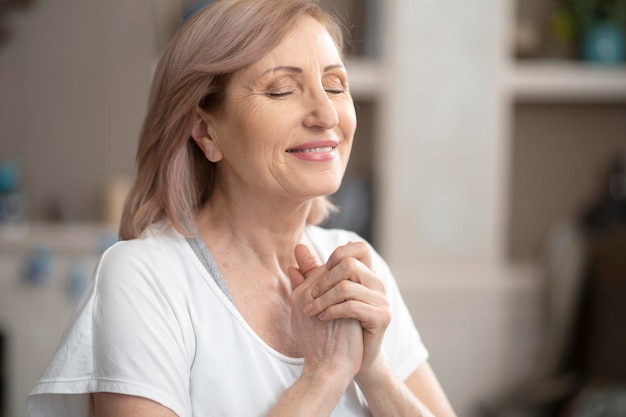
(223, 297)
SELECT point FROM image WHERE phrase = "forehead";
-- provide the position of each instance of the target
(309, 42)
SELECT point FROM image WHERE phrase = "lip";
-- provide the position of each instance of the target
(317, 151)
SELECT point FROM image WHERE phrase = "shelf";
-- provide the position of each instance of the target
(559, 80)
(364, 76)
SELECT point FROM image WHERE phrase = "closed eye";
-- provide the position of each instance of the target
(334, 84)
(335, 90)
(278, 94)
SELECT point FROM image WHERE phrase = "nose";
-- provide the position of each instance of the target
(321, 111)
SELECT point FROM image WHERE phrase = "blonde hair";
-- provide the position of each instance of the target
(174, 178)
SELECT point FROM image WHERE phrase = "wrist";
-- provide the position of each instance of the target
(315, 393)
(327, 376)
(377, 371)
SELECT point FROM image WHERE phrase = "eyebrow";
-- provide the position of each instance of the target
(298, 70)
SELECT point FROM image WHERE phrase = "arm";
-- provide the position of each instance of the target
(106, 404)
(424, 384)
(313, 394)
(420, 395)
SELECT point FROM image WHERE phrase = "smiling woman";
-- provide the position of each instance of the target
(289, 107)
(224, 297)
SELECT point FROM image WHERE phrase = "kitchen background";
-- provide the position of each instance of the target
(488, 169)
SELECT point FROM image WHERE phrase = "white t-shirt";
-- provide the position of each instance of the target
(155, 324)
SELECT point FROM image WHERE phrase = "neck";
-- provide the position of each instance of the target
(262, 233)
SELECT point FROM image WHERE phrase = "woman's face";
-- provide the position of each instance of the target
(289, 120)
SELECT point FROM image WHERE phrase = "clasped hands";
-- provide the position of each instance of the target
(339, 310)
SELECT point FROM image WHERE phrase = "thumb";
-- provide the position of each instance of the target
(295, 276)
(305, 259)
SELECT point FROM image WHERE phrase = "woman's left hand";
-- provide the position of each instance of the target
(351, 289)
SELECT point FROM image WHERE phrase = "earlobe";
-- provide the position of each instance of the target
(203, 133)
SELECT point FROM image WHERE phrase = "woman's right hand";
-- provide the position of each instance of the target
(335, 346)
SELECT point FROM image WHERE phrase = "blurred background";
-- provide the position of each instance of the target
(488, 169)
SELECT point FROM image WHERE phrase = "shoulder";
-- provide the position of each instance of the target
(153, 260)
(154, 247)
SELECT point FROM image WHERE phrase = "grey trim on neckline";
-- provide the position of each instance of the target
(202, 252)
(204, 255)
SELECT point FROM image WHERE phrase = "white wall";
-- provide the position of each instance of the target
(444, 171)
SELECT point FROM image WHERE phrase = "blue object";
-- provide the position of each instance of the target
(9, 177)
(77, 278)
(105, 240)
(195, 9)
(604, 43)
(39, 265)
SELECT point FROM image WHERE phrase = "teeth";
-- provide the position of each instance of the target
(324, 149)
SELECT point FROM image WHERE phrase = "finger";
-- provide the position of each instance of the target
(372, 318)
(343, 292)
(348, 269)
(305, 259)
(357, 250)
(295, 276)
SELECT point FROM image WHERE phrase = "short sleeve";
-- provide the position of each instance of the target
(128, 338)
(402, 345)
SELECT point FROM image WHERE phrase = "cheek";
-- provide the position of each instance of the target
(347, 120)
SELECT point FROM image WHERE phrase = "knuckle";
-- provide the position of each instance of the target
(352, 263)
(361, 246)
(349, 308)
(326, 281)
(385, 318)
(344, 286)
(351, 267)
(382, 287)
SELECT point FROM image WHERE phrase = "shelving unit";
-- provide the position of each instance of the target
(565, 122)
(553, 80)
(475, 145)
(365, 78)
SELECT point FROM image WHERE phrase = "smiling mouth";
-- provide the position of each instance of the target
(312, 150)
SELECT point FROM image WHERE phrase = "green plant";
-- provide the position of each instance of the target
(587, 13)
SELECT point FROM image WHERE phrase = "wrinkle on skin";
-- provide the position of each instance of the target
(248, 104)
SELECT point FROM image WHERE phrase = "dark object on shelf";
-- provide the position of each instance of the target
(610, 208)
(596, 27)
(601, 402)
(361, 23)
(354, 199)
(588, 367)
(588, 13)
(6, 6)
(603, 43)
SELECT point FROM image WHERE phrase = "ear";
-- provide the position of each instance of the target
(203, 132)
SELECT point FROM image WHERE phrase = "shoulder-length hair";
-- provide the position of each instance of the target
(174, 179)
